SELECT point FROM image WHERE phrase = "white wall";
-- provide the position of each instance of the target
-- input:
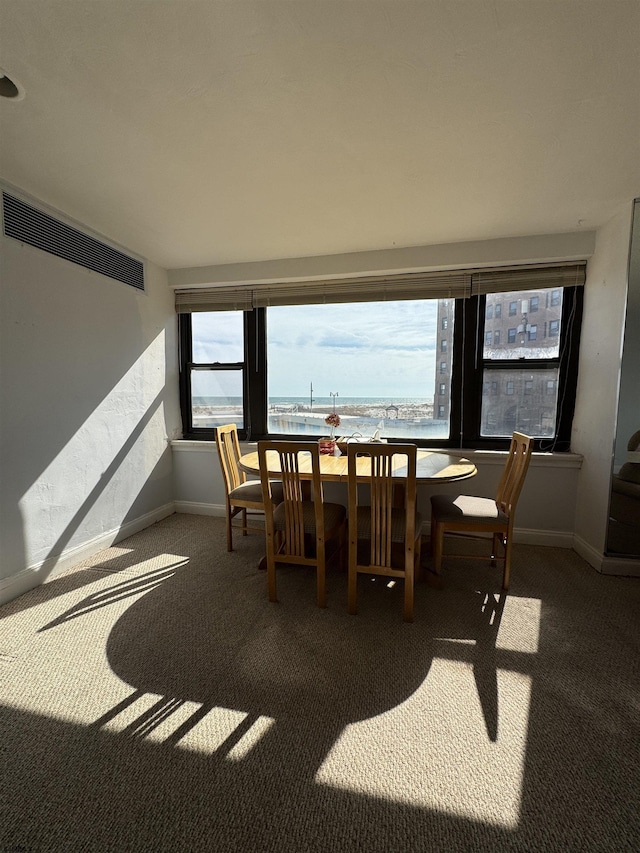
(594, 424)
(89, 393)
(545, 513)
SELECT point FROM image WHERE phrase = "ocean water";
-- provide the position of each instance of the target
(319, 403)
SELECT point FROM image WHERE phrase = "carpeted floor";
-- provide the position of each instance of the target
(154, 700)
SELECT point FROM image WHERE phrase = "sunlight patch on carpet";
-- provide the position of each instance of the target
(434, 750)
(520, 625)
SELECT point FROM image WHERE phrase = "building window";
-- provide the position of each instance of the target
(496, 337)
(550, 386)
(513, 309)
(509, 387)
(511, 336)
(489, 314)
(442, 389)
(534, 303)
(498, 310)
(556, 297)
(532, 333)
(443, 367)
(444, 323)
(528, 386)
(443, 345)
(554, 328)
(441, 412)
(487, 338)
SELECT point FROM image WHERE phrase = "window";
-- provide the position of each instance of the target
(533, 371)
(513, 309)
(489, 314)
(556, 297)
(215, 374)
(498, 312)
(376, 365)
(533, 303)
(444, 323)
(280, 369)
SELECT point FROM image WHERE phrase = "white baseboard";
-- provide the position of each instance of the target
(550, 538)
(588, 552)
(547, 538)
(619, 566)
(628, 567)
(38, 573)
(200, 508)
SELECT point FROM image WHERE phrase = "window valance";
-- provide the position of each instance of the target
(456, 284)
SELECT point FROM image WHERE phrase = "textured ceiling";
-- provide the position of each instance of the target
(218, 132)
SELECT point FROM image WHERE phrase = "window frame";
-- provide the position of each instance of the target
(566, 361)
(466, 378)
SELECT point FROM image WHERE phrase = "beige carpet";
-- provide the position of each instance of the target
(154, 700)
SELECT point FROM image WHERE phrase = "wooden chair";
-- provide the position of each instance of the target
(384, 539)
(242, 495)
(298, 528)
(474, 516)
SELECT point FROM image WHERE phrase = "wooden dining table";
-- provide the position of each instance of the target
(432, 466)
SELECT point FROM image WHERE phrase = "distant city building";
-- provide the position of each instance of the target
(523, 326)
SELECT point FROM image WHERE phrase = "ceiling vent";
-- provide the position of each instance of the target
(30, 225)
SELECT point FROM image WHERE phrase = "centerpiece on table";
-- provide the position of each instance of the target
(328, 445)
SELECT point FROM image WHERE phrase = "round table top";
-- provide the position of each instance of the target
(431, 466)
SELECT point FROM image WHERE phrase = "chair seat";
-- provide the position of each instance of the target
(334, 515)
(252, 491)
(464, 508)
(398, 523)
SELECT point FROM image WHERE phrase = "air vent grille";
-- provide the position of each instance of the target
(32, 226)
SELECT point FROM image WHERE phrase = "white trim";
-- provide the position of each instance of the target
(546, 538)
(588, 552)
(40, 572)
(538, 460)
(618, 566)
(622, 567)
(183, 444)
(200, 508)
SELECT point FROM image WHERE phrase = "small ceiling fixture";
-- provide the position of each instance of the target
(9, 89)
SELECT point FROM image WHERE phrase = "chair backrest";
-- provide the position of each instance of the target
(294, 462)
(515, 470)
(385, 468)
(229, 453)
